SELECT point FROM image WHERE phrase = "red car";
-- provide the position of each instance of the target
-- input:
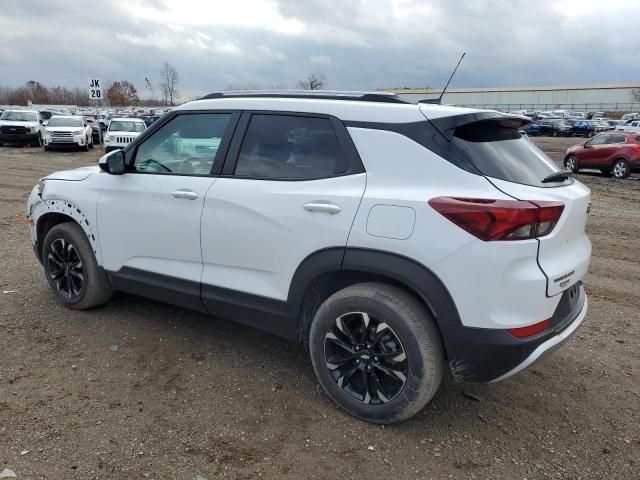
(612, 153)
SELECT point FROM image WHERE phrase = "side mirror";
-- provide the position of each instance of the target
(112, 162)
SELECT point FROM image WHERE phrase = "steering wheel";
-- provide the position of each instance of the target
(151, 161)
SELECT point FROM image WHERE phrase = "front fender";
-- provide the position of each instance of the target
(48, 207)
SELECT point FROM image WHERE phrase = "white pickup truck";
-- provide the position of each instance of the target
(633, 126)
(21, 126)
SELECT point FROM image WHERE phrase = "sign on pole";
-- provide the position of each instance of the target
(95, 93)
(95, 89)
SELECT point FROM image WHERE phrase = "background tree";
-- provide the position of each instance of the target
(169, 83)
(313, 81)
(40, 94)
(122, 93)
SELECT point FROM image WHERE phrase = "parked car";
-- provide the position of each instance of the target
(47, 114)
(632, 126)
(555, 128)
(121, 132)
(66, 131)
(612, 153)
(630, 116)
(587, 128)
(533, 129)
(285, 213)
(21, 126)
(615, 124)
(150, 120)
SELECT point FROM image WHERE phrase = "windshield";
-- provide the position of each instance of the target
(120, 126)
(19, 116)
(65, 122)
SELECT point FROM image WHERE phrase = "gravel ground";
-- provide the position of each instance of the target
(139, 389)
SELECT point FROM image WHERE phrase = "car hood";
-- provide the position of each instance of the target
(117, 133)
(10, 123)
(75, 175)
(65, 129)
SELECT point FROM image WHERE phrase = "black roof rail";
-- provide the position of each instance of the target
(313, 94)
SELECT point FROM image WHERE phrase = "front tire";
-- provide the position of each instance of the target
(38, 142)
(621, 169)
(71, 268)
(571, 163)
(376, 352)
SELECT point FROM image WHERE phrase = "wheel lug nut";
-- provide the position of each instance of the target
(357, 361)
(368, 367)
(376, 359)
(357, 348)
(368, 346)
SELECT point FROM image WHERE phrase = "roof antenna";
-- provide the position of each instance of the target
(438, 100)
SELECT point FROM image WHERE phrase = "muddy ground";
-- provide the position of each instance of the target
(138, 389)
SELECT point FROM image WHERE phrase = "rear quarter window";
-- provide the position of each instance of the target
(499, 151)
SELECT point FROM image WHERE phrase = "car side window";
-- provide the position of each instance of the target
(187, 145)
(288, 147)
(599, 140)
(617, 139)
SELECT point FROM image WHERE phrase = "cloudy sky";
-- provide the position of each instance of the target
(357, 44)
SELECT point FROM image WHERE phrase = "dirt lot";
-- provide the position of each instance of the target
(139, 389)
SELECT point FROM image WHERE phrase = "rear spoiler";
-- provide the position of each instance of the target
(448, 125)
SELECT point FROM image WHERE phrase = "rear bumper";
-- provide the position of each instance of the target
(478, 355)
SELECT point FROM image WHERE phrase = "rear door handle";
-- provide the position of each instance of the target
(323, 207)
(188, 194)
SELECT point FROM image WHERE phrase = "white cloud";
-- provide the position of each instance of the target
(361, 44)
(320, 59)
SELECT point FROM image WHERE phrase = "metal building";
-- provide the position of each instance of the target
(597, 97)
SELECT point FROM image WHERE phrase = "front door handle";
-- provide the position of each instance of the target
(188, 194)
(324, 207)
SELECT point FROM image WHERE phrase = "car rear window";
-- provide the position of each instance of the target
(496, 149)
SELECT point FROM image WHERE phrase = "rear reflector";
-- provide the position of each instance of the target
(491, 220)
(524, 332)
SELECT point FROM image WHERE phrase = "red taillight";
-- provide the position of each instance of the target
(500, 219)
(524, 332)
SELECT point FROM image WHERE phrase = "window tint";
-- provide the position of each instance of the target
(290, 147)
(498, 151)
(599, 140)
(617, 139)
(188, 144)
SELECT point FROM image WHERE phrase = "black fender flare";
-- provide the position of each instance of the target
(415, 276)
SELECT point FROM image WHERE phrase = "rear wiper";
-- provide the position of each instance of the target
(560, 176)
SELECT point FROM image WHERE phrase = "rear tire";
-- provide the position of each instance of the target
(71, 268)
(621, 169)
(376, 352)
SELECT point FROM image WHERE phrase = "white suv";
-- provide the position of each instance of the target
(397, 241)
(121, 132)
(66, 130)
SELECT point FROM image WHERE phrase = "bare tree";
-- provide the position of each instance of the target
(313, 81)
(169, 83)
(635, 94)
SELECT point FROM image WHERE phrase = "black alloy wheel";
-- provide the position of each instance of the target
(66, 268)
(366, 358)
